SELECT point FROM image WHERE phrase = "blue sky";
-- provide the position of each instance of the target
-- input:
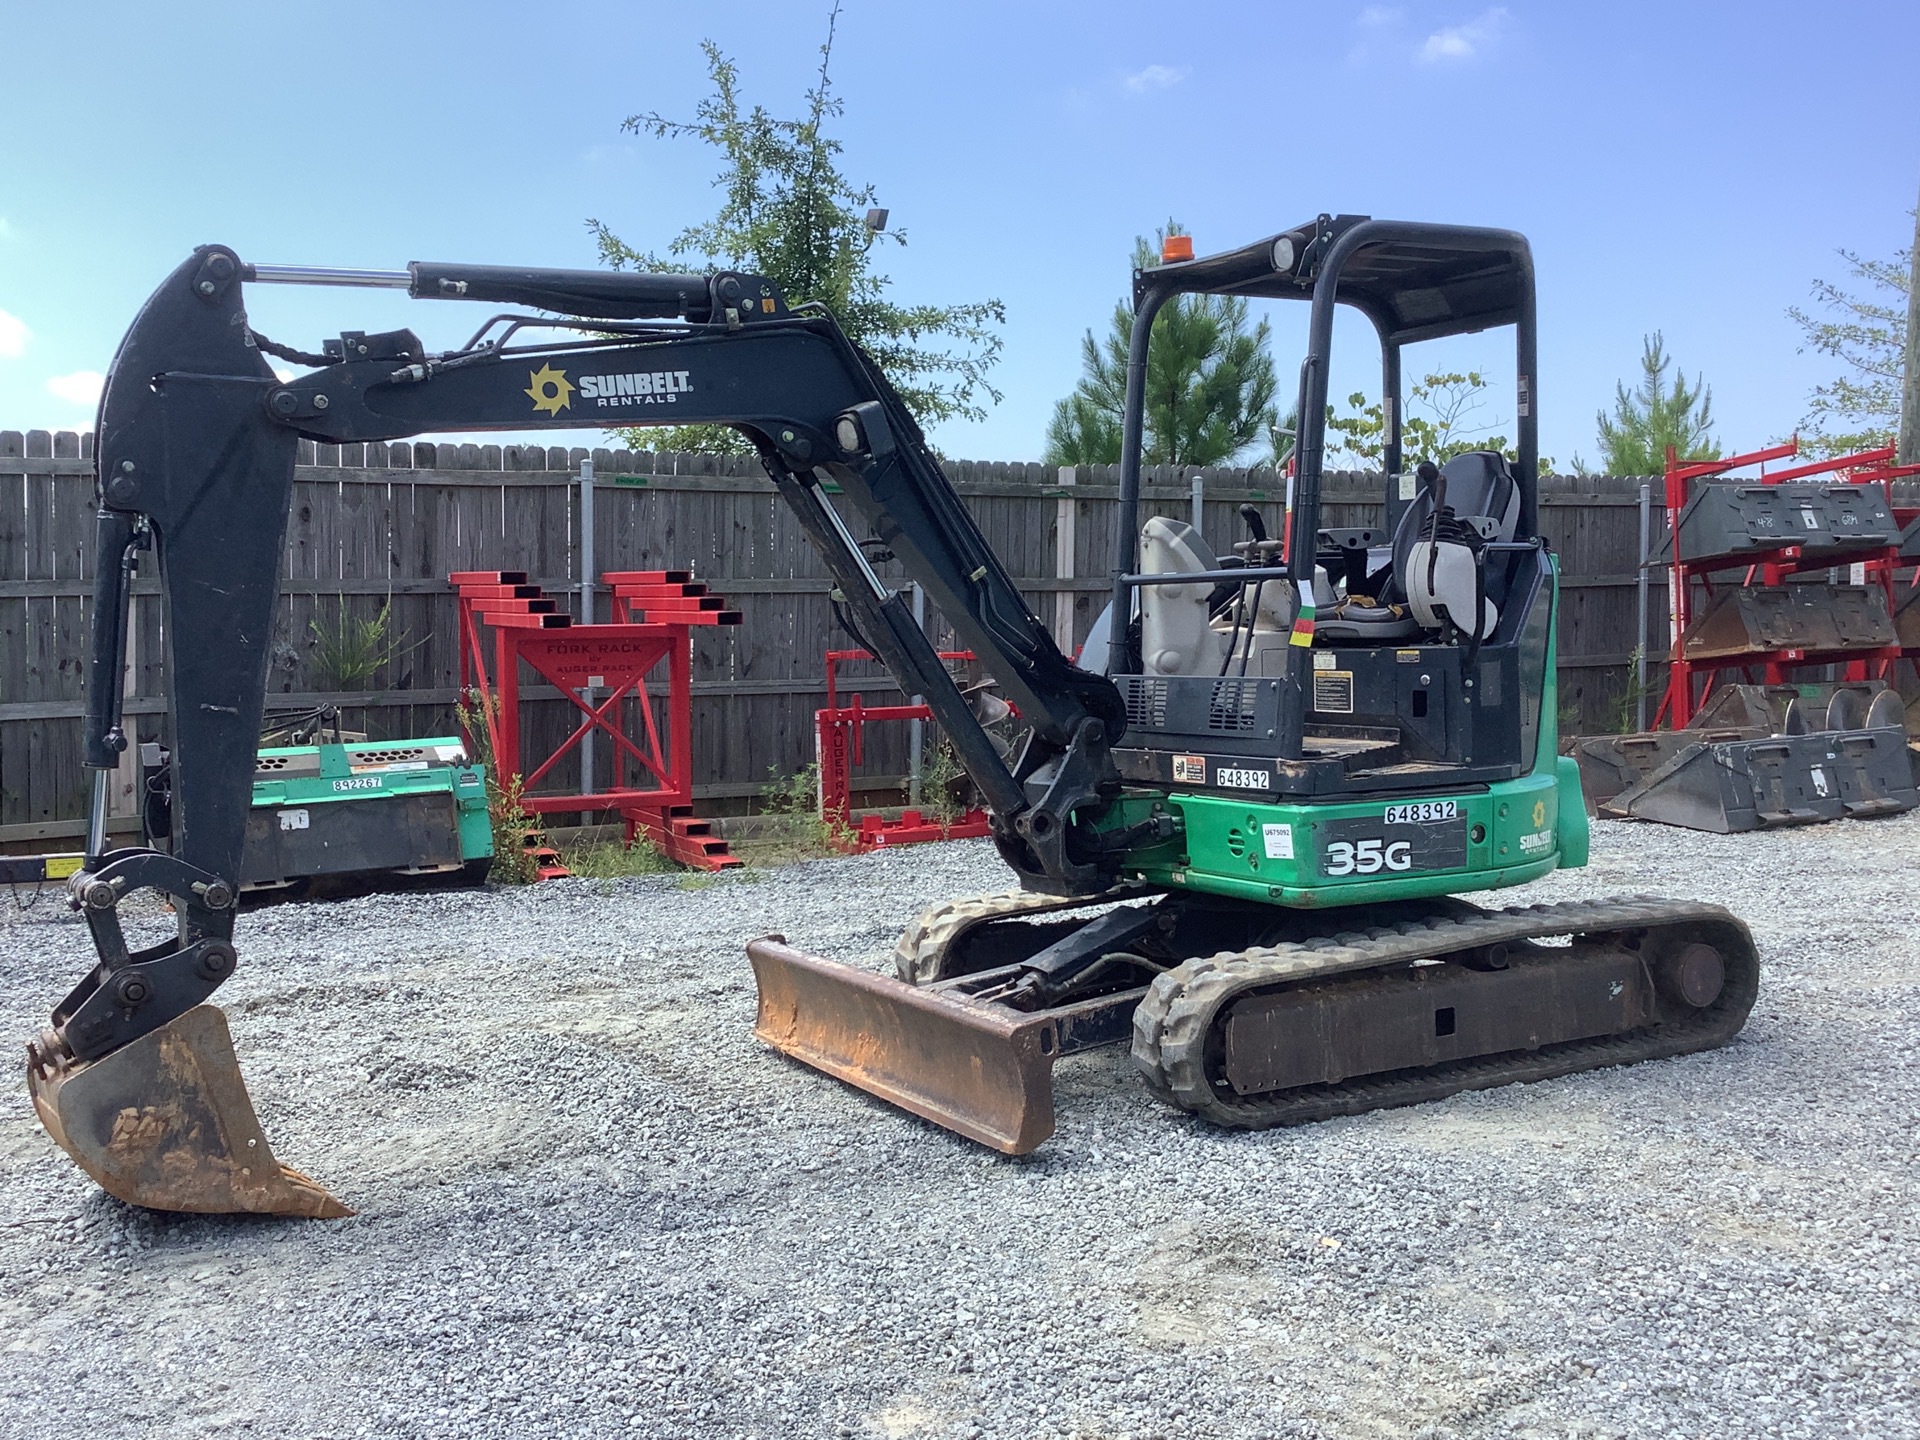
(1685, 167)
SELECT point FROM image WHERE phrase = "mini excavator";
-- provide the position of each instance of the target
(1239, 834)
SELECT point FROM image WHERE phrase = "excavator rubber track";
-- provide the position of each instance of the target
(1184, 1039)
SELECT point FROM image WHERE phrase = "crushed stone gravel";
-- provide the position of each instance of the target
(591, 1204)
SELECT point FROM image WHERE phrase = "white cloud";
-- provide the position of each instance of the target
(1155, 77)
(1378, 30)
(13, 336)
(6, 230)
(1463, 42)
(82, 387)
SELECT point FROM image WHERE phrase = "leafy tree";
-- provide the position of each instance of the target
(1210, 383)
(1655, 415)
(1442, 420)
(789, 213)
(1867, 334)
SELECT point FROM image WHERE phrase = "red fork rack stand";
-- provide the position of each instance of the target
(838, 729)
(657, 611)
(1683, 700)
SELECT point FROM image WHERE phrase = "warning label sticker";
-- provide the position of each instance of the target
(1333, 692)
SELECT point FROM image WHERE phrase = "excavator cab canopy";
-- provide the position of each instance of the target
(1415, 282)
(1444, 280)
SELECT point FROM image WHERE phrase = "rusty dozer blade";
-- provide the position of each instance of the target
(165, 1122)
(979, 1070)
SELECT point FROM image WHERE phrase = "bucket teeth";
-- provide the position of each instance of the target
(165, 1122)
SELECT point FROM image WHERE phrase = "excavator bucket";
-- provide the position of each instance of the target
(1756, 620)
(1610, 764)
(165, 1122)
(982, 1071)
(1739, 785)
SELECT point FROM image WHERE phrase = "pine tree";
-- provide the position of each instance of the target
(1655, 415)
(791, 215)
(1210, 384)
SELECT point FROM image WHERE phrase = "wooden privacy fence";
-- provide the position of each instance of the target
(373, 526)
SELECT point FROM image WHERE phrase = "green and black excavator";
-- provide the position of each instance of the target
(1239, 831)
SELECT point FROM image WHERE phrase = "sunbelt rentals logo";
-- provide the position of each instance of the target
(646, 387)
(549, 390)
(1543, 840)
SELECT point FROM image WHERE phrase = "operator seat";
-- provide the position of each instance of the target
(1478, 483)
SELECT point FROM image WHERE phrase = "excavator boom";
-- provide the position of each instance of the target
(195, 449)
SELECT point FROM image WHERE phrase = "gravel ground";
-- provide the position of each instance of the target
(590, 1204)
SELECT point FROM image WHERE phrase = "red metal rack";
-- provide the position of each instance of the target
(841, 746)
(652, 742)
(1879, 562)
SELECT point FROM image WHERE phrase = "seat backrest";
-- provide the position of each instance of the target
(1478, 483)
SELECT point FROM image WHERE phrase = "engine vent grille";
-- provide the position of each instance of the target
(1233, 705)
(1147, 703)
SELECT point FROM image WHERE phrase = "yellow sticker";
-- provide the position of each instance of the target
(59, 867)
(1539, 814)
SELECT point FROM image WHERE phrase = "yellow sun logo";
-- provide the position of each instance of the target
(550, 390)
(1539, 814)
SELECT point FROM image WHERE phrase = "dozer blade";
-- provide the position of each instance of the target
(982, 1071)
(165, 1122)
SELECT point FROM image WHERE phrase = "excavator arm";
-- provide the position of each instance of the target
(195, 448)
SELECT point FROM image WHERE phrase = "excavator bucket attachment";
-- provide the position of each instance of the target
(165, 1122)
(982, 1071)
(1741, 785)
(1757, 620)
(1610, 764)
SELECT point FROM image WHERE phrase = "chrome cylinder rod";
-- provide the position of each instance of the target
(321, 275)
(97, 808)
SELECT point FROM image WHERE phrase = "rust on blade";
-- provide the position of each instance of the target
(166, 1122)
(980, 1071)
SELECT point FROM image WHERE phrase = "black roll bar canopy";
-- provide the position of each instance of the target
(1415, 281)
